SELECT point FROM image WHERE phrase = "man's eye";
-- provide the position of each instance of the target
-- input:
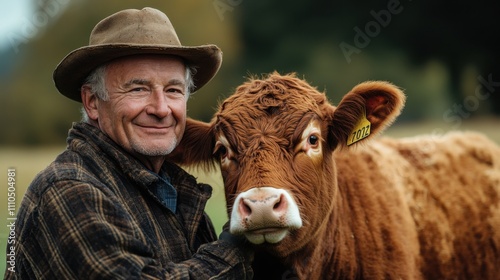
(139, 89)
(175, 90)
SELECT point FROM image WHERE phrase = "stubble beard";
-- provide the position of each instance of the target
(144, 149)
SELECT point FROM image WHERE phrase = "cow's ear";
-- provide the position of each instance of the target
(196, 146)
(365, 111)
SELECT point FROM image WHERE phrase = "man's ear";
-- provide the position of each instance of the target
(89, 102)
(365, 111)
(196, 147)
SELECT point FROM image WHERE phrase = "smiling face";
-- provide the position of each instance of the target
(146, 109)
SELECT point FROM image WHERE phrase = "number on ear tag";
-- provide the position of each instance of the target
(360, 131)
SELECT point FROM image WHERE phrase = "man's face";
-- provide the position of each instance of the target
(146, 110)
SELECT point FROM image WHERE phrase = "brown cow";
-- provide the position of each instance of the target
(421, 208)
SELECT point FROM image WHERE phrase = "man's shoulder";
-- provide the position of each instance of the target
(69, 166)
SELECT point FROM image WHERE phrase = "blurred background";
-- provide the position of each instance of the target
(442, 55)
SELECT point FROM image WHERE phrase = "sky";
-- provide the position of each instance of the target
(13, 16)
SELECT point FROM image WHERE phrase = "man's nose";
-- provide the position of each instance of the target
(158, 104)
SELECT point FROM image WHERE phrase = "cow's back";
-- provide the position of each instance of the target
(450, 186)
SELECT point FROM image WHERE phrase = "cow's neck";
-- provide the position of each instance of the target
(332, 250)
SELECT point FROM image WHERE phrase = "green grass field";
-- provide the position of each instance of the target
(28, 162)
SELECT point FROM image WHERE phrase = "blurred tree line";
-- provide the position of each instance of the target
(443, 55)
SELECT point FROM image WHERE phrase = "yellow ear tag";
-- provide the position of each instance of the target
(360, 131)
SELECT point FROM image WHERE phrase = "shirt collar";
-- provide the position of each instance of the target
(164, 191)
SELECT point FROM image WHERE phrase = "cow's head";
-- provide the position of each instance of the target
(274, 139)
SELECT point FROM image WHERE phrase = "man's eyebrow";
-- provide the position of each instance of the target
(138, 82)
(174, 82)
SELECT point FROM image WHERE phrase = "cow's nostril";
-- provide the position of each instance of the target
(245, 209)
(280, 204)
(277, 205)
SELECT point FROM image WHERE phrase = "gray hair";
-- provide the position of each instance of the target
(96, 80)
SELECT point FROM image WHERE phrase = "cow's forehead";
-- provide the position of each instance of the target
(276, 96)
(268, 108)
(273, 98)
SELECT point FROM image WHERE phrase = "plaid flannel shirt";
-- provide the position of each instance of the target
(93, 214)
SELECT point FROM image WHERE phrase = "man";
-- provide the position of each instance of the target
(110, 206)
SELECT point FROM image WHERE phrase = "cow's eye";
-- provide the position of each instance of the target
(220, 151)
(313, 140)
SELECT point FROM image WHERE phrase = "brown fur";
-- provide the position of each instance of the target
(416, 208)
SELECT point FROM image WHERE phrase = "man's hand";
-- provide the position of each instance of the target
(239, 241)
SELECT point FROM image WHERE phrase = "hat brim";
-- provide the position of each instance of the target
(72, 71)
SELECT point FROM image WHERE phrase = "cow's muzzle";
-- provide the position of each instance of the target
(264, 214)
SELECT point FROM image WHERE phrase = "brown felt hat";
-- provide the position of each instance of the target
(133, 32)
